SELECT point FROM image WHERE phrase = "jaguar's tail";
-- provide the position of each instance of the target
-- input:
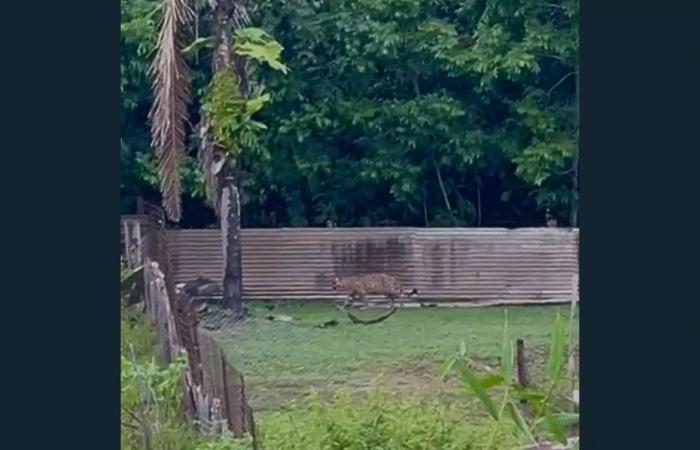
(413, 292)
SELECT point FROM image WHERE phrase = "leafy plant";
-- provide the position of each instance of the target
(256, 44)
(138, 339)
(151, 395)
(230, 112)
(536, 412)
(378, 422)
(226, 443)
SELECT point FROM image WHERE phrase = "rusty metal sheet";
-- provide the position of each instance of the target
(458, 264)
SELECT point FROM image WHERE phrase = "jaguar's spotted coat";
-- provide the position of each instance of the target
(359, 286)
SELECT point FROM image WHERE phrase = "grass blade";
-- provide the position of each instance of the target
(557, 352)
(507, 352)
(447, 368)
(469, 379)
(562, 419)
(557, 423)
(519, 420)
(572, 316)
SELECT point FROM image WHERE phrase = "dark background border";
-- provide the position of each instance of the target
(60, 223)
(640, 93)
(59, 215)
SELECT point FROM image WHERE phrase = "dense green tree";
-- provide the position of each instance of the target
(409, 112)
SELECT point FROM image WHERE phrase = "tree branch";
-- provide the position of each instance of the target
(356, 320)
(558, 58)
(549, 92)
(132, 415)
(442, 188)
(478, 201)
(425, 208)
(130, 425)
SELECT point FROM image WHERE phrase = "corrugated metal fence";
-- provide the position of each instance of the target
(530, 265)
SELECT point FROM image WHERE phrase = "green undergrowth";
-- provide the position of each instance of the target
(138, 338)
(343, 387)
(152, 414)
(346, 421)
(379, 422)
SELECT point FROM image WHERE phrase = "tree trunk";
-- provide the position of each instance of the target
(229, 15)
(231, 242)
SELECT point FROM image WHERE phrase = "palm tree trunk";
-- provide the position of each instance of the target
(231, 242)
(227, 14)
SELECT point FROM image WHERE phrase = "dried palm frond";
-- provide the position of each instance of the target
(168, 115)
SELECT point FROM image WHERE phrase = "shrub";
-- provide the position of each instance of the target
(549, 410)
(151, 403)
(380, 422)
(151, 395)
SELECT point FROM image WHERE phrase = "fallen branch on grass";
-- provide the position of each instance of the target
(356, 320)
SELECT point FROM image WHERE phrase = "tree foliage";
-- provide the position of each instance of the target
(404, 112)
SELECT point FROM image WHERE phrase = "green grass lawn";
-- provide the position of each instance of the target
(285, 361)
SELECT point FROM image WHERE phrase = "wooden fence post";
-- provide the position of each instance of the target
(521, 361)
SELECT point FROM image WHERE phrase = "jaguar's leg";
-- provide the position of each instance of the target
(351, 300)
(392, 297)
(362, 299)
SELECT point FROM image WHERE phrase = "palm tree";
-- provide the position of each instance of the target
(226, 118)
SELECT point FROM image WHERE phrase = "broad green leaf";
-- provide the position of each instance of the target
(470, 380)
(507, 352)
(256, 104)
(252, 33)
(529, 395)
(557, 354)
(256, 44)
(198, 44)
(490, 380)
